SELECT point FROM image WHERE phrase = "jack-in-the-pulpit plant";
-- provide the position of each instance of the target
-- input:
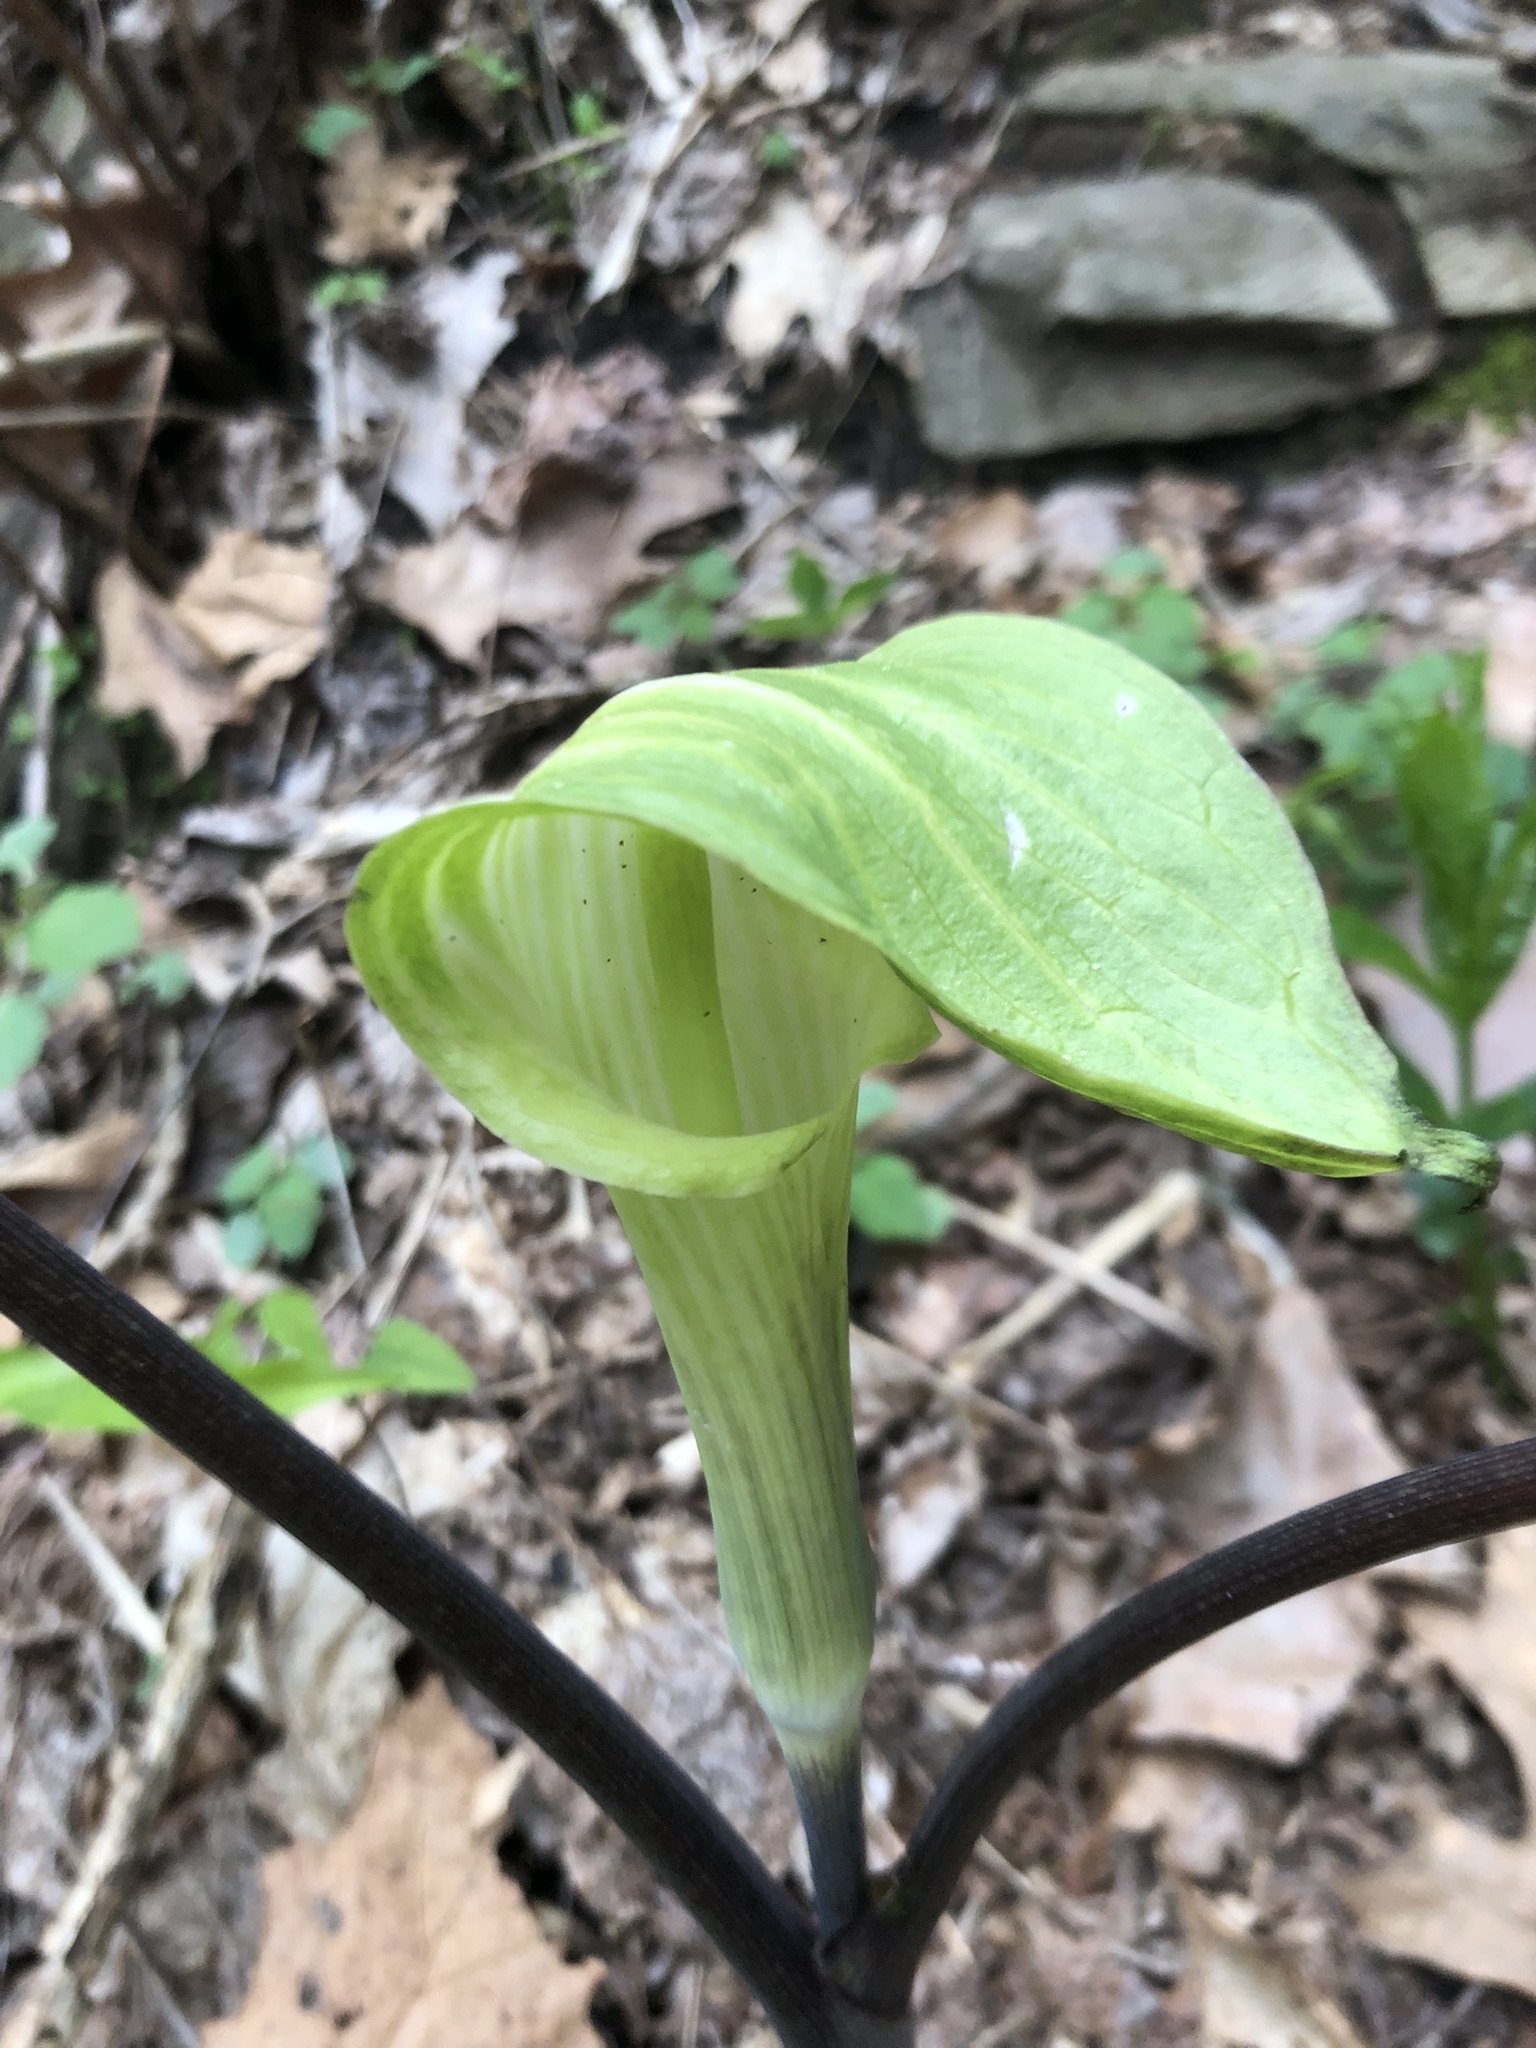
(666, 959)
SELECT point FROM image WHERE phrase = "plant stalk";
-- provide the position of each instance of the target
(62, 1303)
(1475, 1495)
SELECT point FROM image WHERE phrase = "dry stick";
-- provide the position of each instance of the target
(34, 586)
(51, 38)
(44, 419)
(74, 351)
(201, 1637)
(1078, 1267)
(1116, 1241)
(78, 501)
(148, 118)
(213, 1420)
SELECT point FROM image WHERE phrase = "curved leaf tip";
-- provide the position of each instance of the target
(1455, 1155)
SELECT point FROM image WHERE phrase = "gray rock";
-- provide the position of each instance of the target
(1401, 113)
(1171, 247)
(1478, 253)
(990, 386)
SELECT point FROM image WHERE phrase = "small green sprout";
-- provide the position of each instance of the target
(286, 1361)
(821, 609)
(683, 608)
(665, 962)
(274, 1198)
(587, 115)
(494, 69)
(1138, 609)
(61, 936)
(391, 77)
(778, 151)
(887, 1200)
(330, 125)
(349, 288)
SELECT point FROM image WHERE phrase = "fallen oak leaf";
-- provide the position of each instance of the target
(150, 661)
(382, 205)
(259, 602)
(401, 1930)
(250, 600)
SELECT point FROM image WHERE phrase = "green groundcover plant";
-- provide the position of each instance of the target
(664, 962)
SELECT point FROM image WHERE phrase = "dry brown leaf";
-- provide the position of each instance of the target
(88, 1158)
(928, 1492)
(385, 205)
(1300, 1431)
(577, 544)
(789, 268)
(1252, 1997)
(1492, 1654)
(1197, 1807)
(402, 1932)
(1458, 1898)
(258, 602)
(990, 538)
(151, 662)
(1509, 680)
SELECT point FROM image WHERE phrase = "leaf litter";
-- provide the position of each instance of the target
(491, 474)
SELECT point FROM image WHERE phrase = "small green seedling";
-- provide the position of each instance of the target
(888, 1200)
(275, 1196)
(683, 608)
(822, 609)
(493, 68)
(340, 288)
(1138, 609)
(391, 77)
(286, 1360)
(61, 936)
(330, 125)
(778, 151)
(587, 115)
(666, 961)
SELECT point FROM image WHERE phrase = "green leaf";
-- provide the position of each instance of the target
(23, 1034)
(1360, 938)
(22, 846)
(251, 1172)
(221, 1343)
(808, 584)
(653, 621)
(404, 1358)
(1351, 645)
(778, 151)
(393, 76)
(329, 1161)
(291, 1325)
(349, 288)
(83, 928)
(863, 595)
(712, 575)
(165, 977)
(1502, 1116)
(888, 1202)
(41, 1391)
(329, 126)
(587, 115)
(1449, 813)
(494, 69)
(876, 1099)
(245, 1239)
(290, 1208)
(1044, 837)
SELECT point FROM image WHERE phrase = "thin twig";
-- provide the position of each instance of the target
(52, 40)
(197, 1646)
(41, 419)
(130, 1610)
(35, 587)
(582, 145)
(408, 1240)
(1078, 1267)
(1117, 1240)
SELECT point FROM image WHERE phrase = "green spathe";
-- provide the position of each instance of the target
(666, 960)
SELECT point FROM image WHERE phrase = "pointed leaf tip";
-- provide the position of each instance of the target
(1458, 1156)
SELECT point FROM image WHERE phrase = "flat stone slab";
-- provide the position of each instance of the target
(988, 386)
(1171, 247)
(1402, 113)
